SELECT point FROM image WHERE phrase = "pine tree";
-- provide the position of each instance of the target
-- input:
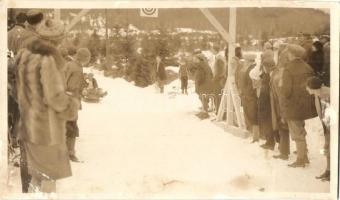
(144, 71)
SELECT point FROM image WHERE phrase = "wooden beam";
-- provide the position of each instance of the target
(57, 14)
(231, 54)
(215, 23)
(76, 19)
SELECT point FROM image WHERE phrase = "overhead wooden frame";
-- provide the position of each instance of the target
(215, 23)
(230, 101)
(76, 19)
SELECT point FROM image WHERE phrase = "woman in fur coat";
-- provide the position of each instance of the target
(44, 107)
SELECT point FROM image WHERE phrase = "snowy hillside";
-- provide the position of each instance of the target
(139, 143)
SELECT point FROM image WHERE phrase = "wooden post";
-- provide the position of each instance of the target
(57, 14)
(231, 54)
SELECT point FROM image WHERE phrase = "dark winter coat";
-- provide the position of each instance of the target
(160, 71)
(307, 45)
(247, 94)
(275, 80)
(203, 78)
(317, 58)
(326, 64)
(44, 105)
(75, 81)
(264, 106)
(183, 71)
(16, 36)
(219, 73)
(264, 112)
(297, 104)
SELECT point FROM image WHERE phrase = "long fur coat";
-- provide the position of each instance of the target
(44, 105)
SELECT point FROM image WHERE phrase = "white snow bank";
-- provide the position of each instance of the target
(137, 143)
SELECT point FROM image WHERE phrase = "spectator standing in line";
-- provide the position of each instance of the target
(321, 93)
(75, 83)
(183, 75)
(298, 105)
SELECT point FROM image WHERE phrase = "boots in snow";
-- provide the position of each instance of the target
(202, 115)
(325, 176)
(268, 146)
(281, 156)
(298, 163)
(74, 158)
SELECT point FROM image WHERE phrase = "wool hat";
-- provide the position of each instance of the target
(198, 54)
(83, 55)
(51, 29)
(268, 64)
(314, 83)
(21, 18)
(318, 45)
(296, 50)
(34, 16)
(276, 45)
(267, 45)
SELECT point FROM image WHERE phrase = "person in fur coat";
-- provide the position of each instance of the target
(44, 107)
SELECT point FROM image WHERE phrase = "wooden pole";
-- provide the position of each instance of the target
(231, 54)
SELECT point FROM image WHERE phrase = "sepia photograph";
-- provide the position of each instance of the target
(151, 100)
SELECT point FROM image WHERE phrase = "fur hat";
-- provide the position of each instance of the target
(297, 50)
(50, 29)
(314, 83)
(83, 55)
(34, 16)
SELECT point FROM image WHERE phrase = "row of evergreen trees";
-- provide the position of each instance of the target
(134, 57)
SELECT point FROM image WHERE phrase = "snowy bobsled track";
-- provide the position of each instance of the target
(139, 143)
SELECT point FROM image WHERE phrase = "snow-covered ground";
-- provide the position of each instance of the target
(139, 143)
